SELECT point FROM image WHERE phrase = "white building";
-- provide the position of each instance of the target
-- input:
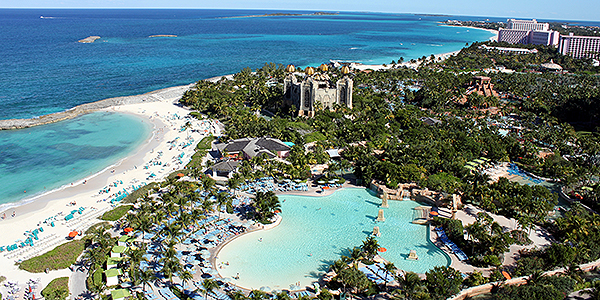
(580, 46)
(528, 32)
(528, 25)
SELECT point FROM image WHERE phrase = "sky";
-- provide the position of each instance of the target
(540, 9)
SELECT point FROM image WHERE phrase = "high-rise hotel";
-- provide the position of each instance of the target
(532, 32)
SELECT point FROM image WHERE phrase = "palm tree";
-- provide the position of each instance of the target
(209, 285)
(145, 277)
(370, 247)
(185, 276)
(265, 205)
(222, 199)
(135, 258)
(237, 295)
(258, 295)
(389, 268)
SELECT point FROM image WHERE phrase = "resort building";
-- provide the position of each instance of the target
(528, 32)
(580, 46)
(509, 50)
(247, 148)
(316, 90)
(527, 25)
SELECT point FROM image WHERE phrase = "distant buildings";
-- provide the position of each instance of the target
(528, 32)
(509, 50)
(580, 46)
(532, 32)
(316, 90)
(527, 25)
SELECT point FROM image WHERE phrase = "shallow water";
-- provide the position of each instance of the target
(38, 159)
(315, 231)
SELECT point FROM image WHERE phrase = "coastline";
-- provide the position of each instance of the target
(167, 119)
(157, 107)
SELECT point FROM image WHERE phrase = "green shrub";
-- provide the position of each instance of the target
(139, 193)
(115, 214)
(95, 281)
(105, 225)
(57, 289)
(58, 258)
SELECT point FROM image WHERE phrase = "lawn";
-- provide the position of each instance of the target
(58, 258)
(116, 213)
(57, 289)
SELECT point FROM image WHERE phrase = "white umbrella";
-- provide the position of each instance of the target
(265, 289)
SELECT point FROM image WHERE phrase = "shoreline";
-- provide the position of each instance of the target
(166, 148)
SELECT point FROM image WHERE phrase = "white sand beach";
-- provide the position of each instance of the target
(169, 148)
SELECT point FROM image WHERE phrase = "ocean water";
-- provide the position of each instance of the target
(315, 231)
(36, 160)
(45, 70)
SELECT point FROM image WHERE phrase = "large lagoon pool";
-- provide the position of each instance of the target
(315, 231)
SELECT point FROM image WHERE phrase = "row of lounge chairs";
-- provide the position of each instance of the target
(459, 253)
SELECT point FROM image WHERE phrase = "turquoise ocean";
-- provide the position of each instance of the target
(45, 70)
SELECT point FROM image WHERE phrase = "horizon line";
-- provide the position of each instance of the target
(303, 10)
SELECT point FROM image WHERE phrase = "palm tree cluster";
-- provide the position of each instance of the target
(265, 205)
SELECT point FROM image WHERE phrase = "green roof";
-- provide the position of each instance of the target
(113, 260)
(119, 249)
(113, 272)
(120, 293)
(126, 239)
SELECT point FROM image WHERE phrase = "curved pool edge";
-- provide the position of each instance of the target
(217, 250)
(428, 236)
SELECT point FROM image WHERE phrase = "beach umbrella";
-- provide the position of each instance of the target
(204, 252)
(237, 224)
(128, 229)
(73, 234)
(205, 255)
(434, 213)
(265, 289)
(211, 238)
(180, 174)
(381, 249)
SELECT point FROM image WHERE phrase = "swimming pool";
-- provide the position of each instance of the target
(315, 231)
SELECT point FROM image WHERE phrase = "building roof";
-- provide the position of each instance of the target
(120, 294)
(113, 260)
(113, 272)
(254, 146)
(119, 249)
(126, 239)
(333, 153)
(226, 166)
(552, 66)
(430, 121)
